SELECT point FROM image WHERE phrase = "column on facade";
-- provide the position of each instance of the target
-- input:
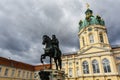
(101, 66)
(90, 66)
(105, 37)
(96, 36)
(113, 65)
(80, 41)
(66, 69)
(87, 38)
(74, 72)
(81, 69)
(76, 60)
(77, 68)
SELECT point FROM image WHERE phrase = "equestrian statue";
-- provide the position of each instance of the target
(52, 50)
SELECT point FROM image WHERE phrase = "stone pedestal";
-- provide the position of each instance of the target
(52, 74)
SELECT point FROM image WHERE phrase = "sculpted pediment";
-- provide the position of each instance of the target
(93, 49)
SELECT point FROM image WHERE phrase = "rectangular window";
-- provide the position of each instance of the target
(101, 38)
(70, 63)
(91, 38)
(27, 74)
(23, 75)
(6, 72)
(70, 72)
(35, 75)
(31, 76)
(19, 73)
(12, 74)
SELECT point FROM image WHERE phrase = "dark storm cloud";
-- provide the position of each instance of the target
(24, 22)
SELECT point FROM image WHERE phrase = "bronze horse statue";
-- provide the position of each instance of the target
(50, 51)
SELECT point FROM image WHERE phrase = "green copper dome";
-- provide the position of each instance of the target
(90, 20)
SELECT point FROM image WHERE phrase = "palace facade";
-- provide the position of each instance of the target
(96, 59)
(15, 70)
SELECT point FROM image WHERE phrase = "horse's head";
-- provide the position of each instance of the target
(46, 39)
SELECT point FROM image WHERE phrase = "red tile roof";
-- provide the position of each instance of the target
(41, 67)
(21, 65)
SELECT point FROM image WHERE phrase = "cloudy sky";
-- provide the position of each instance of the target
(23, 22)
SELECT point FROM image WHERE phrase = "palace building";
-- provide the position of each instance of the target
(15, 70)
(96, 59)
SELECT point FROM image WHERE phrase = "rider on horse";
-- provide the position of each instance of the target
(52, 50)
(55, 44)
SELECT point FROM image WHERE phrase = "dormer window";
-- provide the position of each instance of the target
(83, 41)
(91, 38)
(101, 37)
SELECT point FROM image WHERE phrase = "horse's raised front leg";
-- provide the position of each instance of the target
(42, 57)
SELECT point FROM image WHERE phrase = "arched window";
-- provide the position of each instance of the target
(83, 40)
(95, 66)
(91, 38)
(101, 37)
(106, 65)
(85, 67)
